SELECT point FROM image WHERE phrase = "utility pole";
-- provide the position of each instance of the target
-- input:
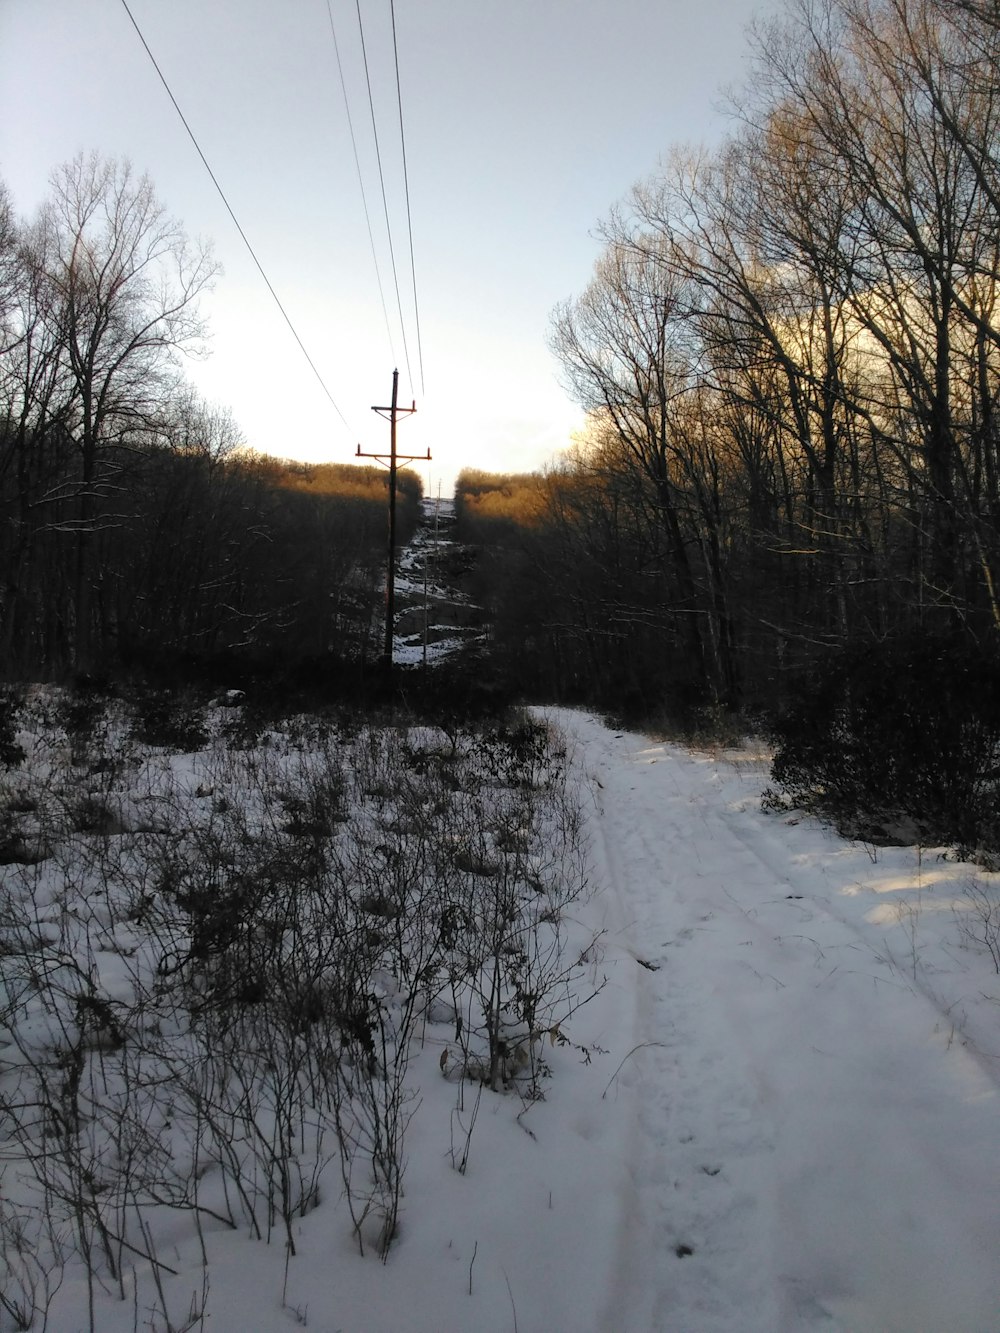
(392, 413)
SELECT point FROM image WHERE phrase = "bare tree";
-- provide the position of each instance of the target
(628, 353)
(893, 92)
(124, 284)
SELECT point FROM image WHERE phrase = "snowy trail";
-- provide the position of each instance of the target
(434, 618)
(776, 1107)
(807, 1130)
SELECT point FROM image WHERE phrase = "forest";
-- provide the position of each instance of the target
(786, 500)
(138, 534)
(784, 507)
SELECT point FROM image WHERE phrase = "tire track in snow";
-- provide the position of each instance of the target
(694, 1108)
(634, 1007)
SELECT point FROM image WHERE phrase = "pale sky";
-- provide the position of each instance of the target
(524, 120)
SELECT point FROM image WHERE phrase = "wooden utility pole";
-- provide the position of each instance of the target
(391, 459)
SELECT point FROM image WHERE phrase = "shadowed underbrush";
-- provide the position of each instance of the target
(223, 940)
(899, 741)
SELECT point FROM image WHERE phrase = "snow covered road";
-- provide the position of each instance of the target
(809, 1111)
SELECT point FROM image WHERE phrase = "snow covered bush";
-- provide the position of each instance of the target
(11, 703)
(217, 968)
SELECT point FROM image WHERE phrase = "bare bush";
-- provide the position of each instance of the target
(979, 922)
(215, 995)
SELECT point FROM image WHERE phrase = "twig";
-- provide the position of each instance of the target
(475, 1251)
(511, 1295)
(639, 1047)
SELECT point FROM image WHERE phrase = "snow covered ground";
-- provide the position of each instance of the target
(777, 1112)
(807, 1121)
(434, 619)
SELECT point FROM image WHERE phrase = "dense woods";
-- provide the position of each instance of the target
(789, 353)
(135, 530)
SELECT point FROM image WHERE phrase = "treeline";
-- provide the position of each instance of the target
(489, 505)
(790, 355)
(134, 529)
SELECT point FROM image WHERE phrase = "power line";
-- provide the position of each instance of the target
(406, 185)
(361, 182)
(236, 223)
(385, 202)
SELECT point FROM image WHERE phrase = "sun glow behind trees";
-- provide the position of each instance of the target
(137, 530)
(788, 351)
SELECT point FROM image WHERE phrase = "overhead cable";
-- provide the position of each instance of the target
(406, 185)
(361, 182)
(236, 223)
(385, 202)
